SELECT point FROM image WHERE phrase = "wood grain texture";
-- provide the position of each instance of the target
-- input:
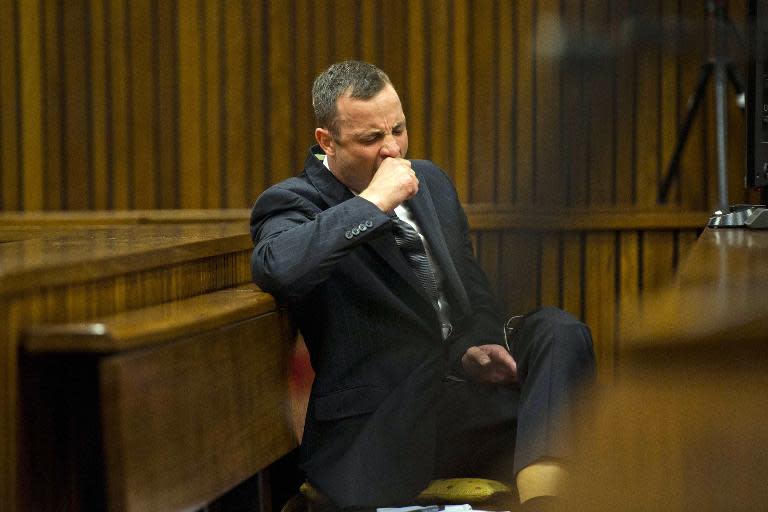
(192, 419)
(192, 104)
(143, 328)
(100, 272)
(181, 409)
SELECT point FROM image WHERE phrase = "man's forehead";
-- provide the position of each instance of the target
(384, 108)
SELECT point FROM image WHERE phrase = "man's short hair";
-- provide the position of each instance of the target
(361, 79)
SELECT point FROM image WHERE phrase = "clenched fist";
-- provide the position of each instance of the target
(393, 183)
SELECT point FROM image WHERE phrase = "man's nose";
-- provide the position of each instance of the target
(390, 148)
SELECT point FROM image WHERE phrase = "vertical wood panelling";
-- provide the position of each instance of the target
(648, 114)
(30, 196)
(191, 103)
(504, 134)
(575, 148)
(416, 78)
(549, 186)
(10, 108)
(624, 107)
(573, 259)
(280, 138)
(482, 27)
(599, 177)
(119, 126)
(369, 43)
(213, 131)
(599, 296)
(460, 85)
(236, 107)
(519, 275)
(669, 88)
(439, 86)
(658, 259)
(98, 117)
(551, 270)
(51, 166)
(345, 34)
(165, 115)
(524, 113)
(142, 45)
(258, 91)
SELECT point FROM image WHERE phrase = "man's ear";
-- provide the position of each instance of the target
(325, 139)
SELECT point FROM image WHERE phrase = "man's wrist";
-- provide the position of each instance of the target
(376, 200)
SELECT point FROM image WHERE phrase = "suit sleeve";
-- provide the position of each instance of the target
(297, 244)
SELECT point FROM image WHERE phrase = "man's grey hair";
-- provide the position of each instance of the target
(362, 80)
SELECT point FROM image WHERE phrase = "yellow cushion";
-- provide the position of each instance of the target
(312, 494)
(448, 490)
(462, 490)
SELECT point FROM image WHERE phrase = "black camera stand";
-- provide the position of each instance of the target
(724, 71)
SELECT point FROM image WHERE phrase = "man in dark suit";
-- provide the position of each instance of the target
(413, 377)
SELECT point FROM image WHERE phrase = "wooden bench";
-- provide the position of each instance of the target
(161, 408)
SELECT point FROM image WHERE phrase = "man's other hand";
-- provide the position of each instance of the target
(393, 183)
(489, 363)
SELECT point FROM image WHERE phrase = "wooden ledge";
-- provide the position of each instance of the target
(84, 218)
(151, 326)
(497, 217)
(96, 253)
(481, 216)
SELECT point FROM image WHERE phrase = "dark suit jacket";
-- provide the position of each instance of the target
(374, 339)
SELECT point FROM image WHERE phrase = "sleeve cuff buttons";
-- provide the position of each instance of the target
(363, 226)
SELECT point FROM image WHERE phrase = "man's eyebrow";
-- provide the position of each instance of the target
(369, 133)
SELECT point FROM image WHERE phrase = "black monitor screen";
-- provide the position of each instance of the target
(757, 96)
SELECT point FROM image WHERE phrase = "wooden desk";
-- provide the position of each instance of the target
(101, 276)
(686, 428)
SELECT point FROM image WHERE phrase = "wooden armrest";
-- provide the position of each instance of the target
(153, 325)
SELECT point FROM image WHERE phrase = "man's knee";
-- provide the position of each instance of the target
(552, 330)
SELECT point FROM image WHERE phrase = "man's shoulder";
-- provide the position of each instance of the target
(426, 165)
(429, 169)
(433, 174)
(289, 192)
(294, 183)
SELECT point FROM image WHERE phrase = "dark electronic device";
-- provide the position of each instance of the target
(757, 96)
(756, 176)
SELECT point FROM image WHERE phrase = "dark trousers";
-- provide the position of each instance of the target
(495, 431)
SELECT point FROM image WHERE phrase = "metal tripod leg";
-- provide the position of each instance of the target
(721, 122)
(682, 135)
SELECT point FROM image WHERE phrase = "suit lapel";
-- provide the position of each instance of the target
(334, 192)
(331, 190)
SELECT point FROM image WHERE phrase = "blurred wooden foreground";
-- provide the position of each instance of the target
(686, 426)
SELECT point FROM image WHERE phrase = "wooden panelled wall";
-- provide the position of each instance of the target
(115, 104)
(528, 104)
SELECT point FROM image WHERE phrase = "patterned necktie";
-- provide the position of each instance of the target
(416, 255)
